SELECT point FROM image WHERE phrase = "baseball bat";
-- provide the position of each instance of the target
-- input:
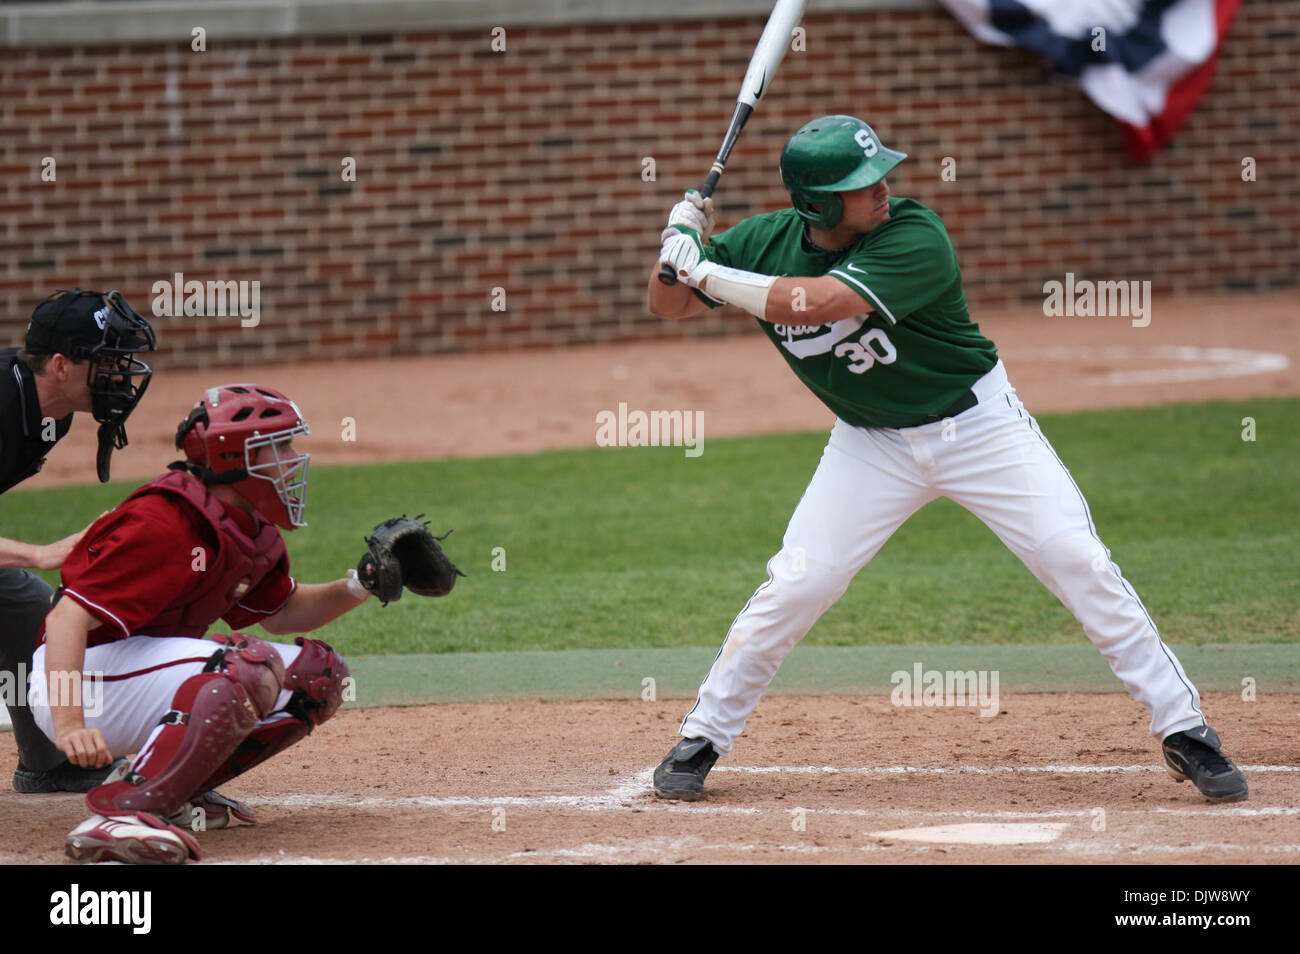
(762, 67)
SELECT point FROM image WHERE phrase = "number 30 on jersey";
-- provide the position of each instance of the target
(867, 350)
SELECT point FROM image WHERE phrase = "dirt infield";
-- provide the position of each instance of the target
(526, 401)
(821, 780)
(1073, 777)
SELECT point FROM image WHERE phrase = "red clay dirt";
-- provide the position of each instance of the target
(559, 782)
(813, 780)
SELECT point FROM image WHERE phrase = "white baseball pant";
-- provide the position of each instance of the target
(130, 684)
(991, 459)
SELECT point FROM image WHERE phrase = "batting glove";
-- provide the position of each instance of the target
(694, 212)
(686, 255)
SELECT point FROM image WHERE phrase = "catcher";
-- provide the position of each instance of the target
(124, 665)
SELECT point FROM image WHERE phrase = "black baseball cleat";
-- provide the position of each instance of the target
(62, 778)
(681, 773)
(1197, 756)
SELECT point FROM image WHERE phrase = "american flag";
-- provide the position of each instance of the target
(1146, 62)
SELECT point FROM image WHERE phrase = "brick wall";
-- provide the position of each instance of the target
(523, 171)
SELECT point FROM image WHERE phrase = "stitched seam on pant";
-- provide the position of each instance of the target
(1092, 530)
(766, 583)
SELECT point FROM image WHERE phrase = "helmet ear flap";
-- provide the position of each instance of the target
(188, 439)
(821, 210)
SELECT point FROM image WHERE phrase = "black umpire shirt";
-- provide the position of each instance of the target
(22, 449)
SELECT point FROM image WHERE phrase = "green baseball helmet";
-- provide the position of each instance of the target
(830, 155)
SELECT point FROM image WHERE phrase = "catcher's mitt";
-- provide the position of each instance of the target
(404, 553)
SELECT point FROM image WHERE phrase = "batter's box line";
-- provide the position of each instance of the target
(656, 849)
(1198, 364)
(643, 803)
(1217, 846)
(967, 769)
(1209, 810)
(308, 860)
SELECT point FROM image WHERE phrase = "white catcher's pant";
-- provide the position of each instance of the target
(998, 465)
(130, 685)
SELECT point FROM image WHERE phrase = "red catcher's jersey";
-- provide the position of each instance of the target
(172, 559)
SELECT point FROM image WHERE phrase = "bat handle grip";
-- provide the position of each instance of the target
(666, 274)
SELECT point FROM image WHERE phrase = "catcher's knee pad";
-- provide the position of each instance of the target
(211, 714)
(317, 679)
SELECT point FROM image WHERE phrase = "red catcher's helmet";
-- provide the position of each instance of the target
(223, 434)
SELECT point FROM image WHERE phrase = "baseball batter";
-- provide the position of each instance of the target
(124, 666)
(860, 292)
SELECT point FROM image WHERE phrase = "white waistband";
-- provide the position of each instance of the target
(992, 384)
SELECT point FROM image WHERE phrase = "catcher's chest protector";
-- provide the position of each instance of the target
(240, 563)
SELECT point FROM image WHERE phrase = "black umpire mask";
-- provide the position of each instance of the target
(106, 331)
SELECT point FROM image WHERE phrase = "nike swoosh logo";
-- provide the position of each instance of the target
(853, 268)
(762, 85)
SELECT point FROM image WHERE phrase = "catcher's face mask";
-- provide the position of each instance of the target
(272, 458)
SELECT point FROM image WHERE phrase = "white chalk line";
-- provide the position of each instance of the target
(967, 769)
(667, 849)
(1205, 363)
(1097, 848)
(632, 793)
(644, 803)
(637, 785)
(592, 851)
(662, 849)
(287, 859)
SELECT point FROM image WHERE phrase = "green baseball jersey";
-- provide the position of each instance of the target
(913, 354)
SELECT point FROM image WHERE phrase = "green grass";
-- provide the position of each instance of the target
(643, 547)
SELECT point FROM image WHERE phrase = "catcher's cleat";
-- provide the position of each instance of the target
(681, 774)
(215, 810)
(63, 778)
(140, 839)
(1197, 756)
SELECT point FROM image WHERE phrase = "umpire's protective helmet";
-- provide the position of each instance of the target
(830, 155)
(106, 331)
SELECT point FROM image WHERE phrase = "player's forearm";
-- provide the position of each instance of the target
(15, 554)
(50, 556)
(66, 629)
(801, 300)
(671, 301)
(312, 605)
(809, 301)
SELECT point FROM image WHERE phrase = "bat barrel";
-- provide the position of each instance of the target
(762, 67)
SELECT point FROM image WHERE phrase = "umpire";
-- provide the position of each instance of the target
(80, 355)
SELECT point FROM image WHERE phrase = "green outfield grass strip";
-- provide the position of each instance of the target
(614, 548)
(810, 670)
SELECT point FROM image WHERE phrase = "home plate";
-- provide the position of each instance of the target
(980, 833)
